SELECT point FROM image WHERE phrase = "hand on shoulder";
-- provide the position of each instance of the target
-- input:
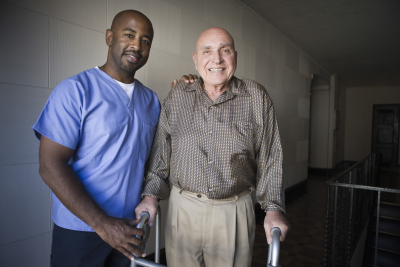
(190, 78)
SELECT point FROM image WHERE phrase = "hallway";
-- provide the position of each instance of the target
(304, 245)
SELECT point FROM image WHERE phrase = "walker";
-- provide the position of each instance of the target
(273, 250)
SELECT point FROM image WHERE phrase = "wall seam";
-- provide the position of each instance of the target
(22, 84)
(23, 239)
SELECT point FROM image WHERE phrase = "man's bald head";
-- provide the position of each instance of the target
(215, 31)
(125, 15)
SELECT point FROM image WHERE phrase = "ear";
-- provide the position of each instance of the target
(109, 36)
(194, 59)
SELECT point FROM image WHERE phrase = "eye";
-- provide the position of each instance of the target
(128, 35)
(145, 42)
(206, 51)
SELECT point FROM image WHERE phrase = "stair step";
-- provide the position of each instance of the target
(385, 258)
(386, 242)
(389, 210)
(386, 225)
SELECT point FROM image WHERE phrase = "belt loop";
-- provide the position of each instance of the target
(180, 192)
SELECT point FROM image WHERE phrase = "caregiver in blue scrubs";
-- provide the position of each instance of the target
(95, 133)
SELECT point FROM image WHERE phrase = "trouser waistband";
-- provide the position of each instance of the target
(204, 197)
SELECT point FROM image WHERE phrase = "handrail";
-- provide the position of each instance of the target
(341, 174)
(372, 188)
(350, 202)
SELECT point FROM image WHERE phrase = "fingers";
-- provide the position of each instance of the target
(276, 219)
(135, 250)
(284, 229)
(184, 78)
(268, 234)
(131, 249)
(126, 253)
(120, 234)
(174, 83)
(190, 78)
(149, 204)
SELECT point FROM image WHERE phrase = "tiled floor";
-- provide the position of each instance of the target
(304, 244)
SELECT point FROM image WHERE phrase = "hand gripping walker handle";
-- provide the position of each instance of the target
(273, 251)
(143, 224)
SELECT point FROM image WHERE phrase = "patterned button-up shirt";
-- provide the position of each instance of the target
(219, 148)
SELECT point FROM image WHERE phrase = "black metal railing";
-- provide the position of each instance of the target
(351, 198)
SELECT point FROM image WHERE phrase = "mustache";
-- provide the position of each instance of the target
(134, 53)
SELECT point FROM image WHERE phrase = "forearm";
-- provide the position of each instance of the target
(270, 191)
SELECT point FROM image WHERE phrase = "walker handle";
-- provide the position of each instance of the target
(274, 248)
(143, 224)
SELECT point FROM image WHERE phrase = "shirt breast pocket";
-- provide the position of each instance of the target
(242, 136)
(146, 139)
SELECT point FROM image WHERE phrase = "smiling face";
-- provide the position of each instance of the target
(215, 58)
(129, 42)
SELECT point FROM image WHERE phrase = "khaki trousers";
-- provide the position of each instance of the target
(204, 232)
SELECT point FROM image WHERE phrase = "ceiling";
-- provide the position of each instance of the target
(357, 39)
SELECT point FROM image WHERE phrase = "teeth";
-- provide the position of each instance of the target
(215, 69)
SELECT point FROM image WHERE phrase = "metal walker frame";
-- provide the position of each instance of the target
(273, 251)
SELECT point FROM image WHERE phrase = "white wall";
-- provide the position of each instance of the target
(359, 111)
(49, 40)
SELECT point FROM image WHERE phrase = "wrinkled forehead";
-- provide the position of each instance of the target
(215, 38)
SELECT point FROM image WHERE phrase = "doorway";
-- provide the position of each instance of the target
(385, 133)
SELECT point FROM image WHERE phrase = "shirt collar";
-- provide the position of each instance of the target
(236, 87)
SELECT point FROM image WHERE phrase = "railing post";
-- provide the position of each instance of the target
(328, 229)
(334, 227)
(377, 228)
(350, 226)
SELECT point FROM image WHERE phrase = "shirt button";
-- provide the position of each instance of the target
(210, 132)
(210, 162)
(210, 189)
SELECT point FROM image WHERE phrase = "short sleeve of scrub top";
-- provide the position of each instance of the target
(61, 117)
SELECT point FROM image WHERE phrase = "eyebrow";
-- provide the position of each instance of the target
(131, 30)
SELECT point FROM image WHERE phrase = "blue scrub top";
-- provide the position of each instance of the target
(111, 135)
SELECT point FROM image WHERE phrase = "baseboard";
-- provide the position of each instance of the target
(320, 171)
(329, 172)
(291, 194)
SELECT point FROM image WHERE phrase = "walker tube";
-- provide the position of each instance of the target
(157, 252)
(143, 224)
(273, 251)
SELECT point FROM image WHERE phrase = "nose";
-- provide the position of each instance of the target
(217, 58)
(136, 44)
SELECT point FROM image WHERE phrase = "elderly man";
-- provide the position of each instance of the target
(95, 133)
(215, 139)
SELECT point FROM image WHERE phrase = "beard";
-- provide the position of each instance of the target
(128, 68)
